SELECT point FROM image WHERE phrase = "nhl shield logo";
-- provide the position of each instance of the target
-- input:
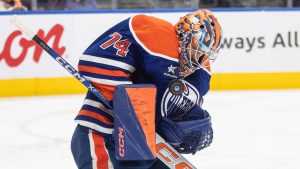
(177, 105)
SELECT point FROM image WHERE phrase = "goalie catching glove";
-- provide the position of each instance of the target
(189, 133)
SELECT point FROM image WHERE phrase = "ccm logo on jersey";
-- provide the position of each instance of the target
(121, 142)
(182, 103)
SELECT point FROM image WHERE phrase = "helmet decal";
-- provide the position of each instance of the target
(199, 34)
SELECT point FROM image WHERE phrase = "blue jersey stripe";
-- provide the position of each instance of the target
(90, 119)
(98, 111)
(91, 96)
(99, 76)
(103, 66)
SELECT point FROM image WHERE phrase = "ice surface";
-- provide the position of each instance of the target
(253, 130)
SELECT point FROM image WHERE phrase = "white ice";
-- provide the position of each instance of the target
(253, 130)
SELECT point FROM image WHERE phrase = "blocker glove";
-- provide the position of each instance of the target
(189, 133)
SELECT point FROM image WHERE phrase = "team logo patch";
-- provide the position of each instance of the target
(178, 105)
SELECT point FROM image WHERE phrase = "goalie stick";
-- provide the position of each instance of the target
(165, 152)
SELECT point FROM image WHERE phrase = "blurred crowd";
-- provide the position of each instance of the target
(24, 5)
(9, 5)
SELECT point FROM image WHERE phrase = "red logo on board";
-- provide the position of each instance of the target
(13, 61)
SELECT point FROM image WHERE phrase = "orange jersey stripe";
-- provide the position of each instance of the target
(102, 156)
(106, 90)
(157, 35)
(95, 116)
(102, 71)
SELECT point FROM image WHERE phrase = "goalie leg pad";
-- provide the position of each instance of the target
(134, 125)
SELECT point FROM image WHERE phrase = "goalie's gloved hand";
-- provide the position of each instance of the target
(187, 134)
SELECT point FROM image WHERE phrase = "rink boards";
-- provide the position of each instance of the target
(260, 49)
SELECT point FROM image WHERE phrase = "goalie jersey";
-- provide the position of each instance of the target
(140, 49)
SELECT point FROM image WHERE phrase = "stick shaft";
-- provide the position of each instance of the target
(22, 27)
(60, 60)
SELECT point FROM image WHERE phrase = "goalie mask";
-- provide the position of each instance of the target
(199, 34)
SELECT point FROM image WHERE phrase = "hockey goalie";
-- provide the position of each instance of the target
(156, 75)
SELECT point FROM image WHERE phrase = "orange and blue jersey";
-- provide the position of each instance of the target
(140, 49)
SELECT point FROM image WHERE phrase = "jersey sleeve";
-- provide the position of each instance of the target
(107, 62)
(201, 80)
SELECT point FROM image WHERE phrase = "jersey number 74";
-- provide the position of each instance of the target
(115, 41)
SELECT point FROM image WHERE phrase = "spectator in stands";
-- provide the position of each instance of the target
(52, 4)
(296, 3)
(208, 3)
(81, 4)
(4, 5)
(18, 6)
(237, 3)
